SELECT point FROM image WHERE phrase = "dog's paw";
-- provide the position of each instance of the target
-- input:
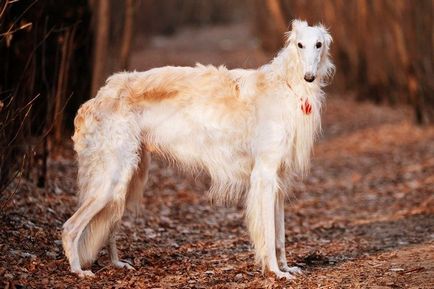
(283, 275)
(84, 274)
(293, 270)
(284, 267)
(120, 264)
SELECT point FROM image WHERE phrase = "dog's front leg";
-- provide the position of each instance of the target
(280, 233)
(260, 213)
(280, 236)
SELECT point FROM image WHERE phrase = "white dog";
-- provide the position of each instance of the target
(251, 130)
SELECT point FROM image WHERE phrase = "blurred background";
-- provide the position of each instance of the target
(54, 55)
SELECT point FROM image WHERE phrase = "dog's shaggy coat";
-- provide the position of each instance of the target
(251, 130)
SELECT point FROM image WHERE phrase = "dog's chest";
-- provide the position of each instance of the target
(290, 118)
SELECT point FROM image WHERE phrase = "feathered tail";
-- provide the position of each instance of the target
(97, 232)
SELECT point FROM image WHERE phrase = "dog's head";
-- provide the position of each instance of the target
(312, 45)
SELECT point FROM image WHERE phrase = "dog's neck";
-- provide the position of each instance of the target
(287, 69)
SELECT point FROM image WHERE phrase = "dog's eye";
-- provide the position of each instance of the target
(300, 45)
(318, 45)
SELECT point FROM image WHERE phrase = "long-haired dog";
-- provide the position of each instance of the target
(251, 130)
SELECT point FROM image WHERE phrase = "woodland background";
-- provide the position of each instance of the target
(54, 55)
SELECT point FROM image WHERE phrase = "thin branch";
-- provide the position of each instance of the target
(16, 188)
(24, 26)
(21, 126)
(16, 113)
(4, 8)
(21, 15)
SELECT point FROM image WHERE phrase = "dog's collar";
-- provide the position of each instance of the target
(305, 105)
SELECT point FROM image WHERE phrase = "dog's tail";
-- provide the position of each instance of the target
(115, 181)
(97, 232)
(105, 222)
(92, 182)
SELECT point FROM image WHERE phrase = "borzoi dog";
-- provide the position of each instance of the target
(251, 130)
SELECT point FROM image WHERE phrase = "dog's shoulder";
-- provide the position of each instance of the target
(251, 82)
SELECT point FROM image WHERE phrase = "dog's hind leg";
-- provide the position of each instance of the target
(83, 251)
(134, 196)
(113, 251)
(138, 182)
(104, 176)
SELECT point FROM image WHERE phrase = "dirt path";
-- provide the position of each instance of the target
(364, 218)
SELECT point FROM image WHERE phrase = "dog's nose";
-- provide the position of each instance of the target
(309, 77)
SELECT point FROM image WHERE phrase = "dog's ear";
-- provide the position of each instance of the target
(327, 37)
(296, 25)
(326, 69)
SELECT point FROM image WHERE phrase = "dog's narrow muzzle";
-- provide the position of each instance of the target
(309, 77)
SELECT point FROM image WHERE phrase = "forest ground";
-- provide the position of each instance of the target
(363, 218)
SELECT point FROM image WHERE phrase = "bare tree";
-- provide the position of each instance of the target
(100, 54)
(127, 34)
(277, 14)
(422, 69)
(67, 43)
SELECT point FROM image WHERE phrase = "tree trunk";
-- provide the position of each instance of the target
(423, 65)
(62, 83)
(127, 34)
(101, 45)
(276, 13)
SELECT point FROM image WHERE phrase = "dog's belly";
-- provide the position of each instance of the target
(202, 137)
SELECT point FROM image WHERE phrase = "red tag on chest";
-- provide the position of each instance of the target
(306, 107)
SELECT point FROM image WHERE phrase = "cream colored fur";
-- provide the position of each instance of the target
(246, 128)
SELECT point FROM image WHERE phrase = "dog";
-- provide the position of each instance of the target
(251, 130)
